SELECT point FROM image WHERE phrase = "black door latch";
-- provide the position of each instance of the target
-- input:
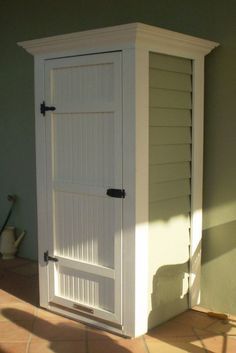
(49, 258)
(44, 108)
(118, 193)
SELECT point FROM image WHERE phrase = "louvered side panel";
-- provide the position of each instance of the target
(169, 185)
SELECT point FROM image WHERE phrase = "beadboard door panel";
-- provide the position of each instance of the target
(84, 159)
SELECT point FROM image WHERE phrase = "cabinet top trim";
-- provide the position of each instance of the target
(133, 35)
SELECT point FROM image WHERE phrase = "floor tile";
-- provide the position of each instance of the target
(17, 312)
(15, 332)
(192, 331)
(121, 346)
(30, 269)
(194, 319)
(226, 327)
(50, 316)
(96, 334)
(174, 346)
(216, 343)
(13, 347)
(11, 263)
(6, 297)
(41, 346)
(170, 329)
(23, 285)
(58, 331)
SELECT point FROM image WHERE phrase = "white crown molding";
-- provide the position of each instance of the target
(150, 36)
(118, 37)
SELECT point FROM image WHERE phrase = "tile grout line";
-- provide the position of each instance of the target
(145, 344)
(86, 341)
(200, 340)
(31, 335)
(211, 324)
(28, 343)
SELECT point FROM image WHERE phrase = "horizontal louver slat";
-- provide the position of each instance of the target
(169, 190)
(170, 117)
(169, 99)
(169, 154)
(176, 233)
(169, 135)
(170, 63)
(170, 80)
(167, 172)
(166, 209)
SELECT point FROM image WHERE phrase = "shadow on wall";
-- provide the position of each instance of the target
(169, 288)
(169, 293)
(218, 241)
(218, 268)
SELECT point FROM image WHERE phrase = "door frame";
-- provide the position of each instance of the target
(135, 41)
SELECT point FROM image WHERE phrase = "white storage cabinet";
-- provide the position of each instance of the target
(119, 142)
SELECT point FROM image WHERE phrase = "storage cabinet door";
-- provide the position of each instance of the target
(84, 159)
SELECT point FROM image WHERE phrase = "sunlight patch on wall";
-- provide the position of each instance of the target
(220, 214)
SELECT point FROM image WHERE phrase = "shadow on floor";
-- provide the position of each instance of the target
(65, 336)
(194, 332)
(174, 336)
(18, 274)
(33, 330)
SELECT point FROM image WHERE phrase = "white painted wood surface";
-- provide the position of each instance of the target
(84, 159)
(169, 182)
(126, 36)
(197, 182)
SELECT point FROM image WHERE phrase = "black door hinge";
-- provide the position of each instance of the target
(49, 258)
(118, 193)
(44, 108)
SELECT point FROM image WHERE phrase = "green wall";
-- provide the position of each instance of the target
(215, 20)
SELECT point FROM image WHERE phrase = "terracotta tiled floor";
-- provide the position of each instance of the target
(25, 328)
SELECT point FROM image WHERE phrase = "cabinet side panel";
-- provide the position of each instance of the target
(170, 120)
